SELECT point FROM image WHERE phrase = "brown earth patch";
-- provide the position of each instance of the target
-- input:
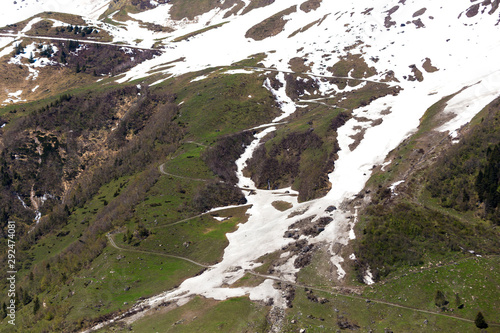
(418, 23)
(270, 26)
(310, 5)
(417, 74)
(419, 12)
(473, 10)
(304, 28)
(281, 205)
(387, 21)
(355, 63)
(257, 4)
(427, 65)
(298, 65)
(239, 6)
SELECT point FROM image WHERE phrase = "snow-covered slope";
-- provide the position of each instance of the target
(14, 11)
(430, 49)
(433, 48)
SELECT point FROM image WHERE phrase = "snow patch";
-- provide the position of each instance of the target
(368, 278)
(471, 101)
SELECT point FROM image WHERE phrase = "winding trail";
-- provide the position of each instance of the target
(299, 285)
(162, 170)
(367, 300)
(113, 244)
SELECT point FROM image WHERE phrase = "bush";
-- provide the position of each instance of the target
(480, 321)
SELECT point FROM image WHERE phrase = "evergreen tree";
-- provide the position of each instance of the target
(36, 305)
(458, 302)
(439, 299)
(480, 322)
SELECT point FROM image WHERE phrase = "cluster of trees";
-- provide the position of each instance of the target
(488, 184)
(150, 134)
(221, 157)
(467, 177)
(391, 227)
(140, 233)
(281, 163)
(18, 49)
(216, 194)
(77, 30)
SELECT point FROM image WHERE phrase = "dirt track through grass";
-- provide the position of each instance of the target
(112, 242)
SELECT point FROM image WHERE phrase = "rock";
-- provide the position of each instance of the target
(330, 209)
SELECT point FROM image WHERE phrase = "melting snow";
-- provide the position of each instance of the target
(368, 278)
(457, 47)
(14, 97)
(467, 103)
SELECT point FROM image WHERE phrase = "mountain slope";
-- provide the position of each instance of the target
(258, 151)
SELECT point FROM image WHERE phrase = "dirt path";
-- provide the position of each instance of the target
(329, 291)
(162, 170)
(365, 299)
(113, 244)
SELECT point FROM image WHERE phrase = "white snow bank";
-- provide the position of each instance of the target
(469, 102)
(16, 11)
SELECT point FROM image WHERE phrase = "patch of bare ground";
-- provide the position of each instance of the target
(270, 26)
(353, 64)
(364, 96)
(190, 9)
(236, 8)
(473, 10)
(389, 77)
(281, 205)
(304, 28)
(417, 74)
(298, 65)
(419, 12)
(310, 5)
(367, 11)
(358, 137)
(50, 81)
(257, 4)
(323, 18)
(418, 23)
(388, 20)
(427, 65)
